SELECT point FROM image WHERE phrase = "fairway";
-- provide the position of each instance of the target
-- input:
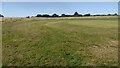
(73, 41)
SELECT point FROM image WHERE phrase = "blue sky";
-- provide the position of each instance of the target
(21, 9)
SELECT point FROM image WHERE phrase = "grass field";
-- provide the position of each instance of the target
(72, 41)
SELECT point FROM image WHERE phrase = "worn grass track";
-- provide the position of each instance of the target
(60, 41)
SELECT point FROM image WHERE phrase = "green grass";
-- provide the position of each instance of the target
(60, 41)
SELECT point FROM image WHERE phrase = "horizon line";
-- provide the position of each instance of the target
(60, 14)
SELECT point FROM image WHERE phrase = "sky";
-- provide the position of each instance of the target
(23, 9)
(59, 0)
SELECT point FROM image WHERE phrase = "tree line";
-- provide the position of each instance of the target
(76, 14)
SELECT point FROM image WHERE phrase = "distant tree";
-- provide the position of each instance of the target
(55, 15)
(97, 15)
(109, 14)
(80, 15)
(28, 17)
(115, 14)
(87, 15)
(63, 15)
(1, 15)
(45, 15)
(76, 14)
(32, 16)
(38, 15)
